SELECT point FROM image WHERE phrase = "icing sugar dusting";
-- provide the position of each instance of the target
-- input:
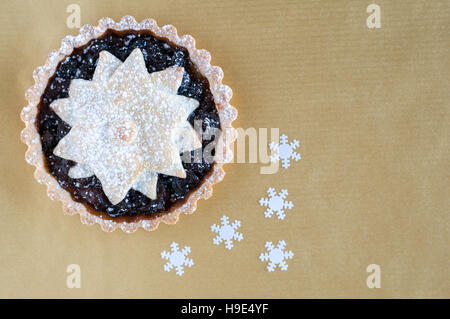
(127, 125)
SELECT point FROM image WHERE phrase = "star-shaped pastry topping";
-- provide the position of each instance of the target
(128, 125)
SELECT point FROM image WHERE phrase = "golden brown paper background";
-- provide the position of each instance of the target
(370, 107)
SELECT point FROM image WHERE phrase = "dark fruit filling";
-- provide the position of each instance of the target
(159, 54)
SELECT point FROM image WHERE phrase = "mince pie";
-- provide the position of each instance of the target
(119, 124)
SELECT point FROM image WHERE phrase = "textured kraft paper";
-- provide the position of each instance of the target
(370, 107)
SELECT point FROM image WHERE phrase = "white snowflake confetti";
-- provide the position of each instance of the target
(177, 259)
(285, 151)
(276, 203)
(226, 232)
(276, 256)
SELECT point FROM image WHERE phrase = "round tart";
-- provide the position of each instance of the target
(128, 124)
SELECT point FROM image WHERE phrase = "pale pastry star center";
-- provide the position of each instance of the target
(123, 132)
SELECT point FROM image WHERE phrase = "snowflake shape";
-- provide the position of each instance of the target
(276, 203)
(285, 151)
(226, 232)
(177, 258)
(276, 256)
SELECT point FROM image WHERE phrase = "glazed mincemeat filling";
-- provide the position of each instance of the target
(159, 54)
